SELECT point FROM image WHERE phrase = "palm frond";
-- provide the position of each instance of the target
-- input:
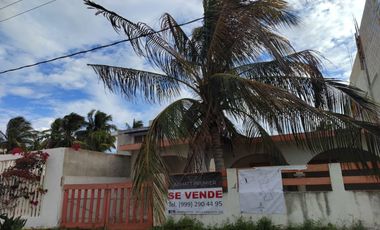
(255, 130)
(360, 107)
(286, 113)
(200, 146)
(148, 43)
(3, 137)
(133, 84)
(305, 63)
(243, 32)
(273, 13)
(306, 81)
(149, 165)
(328, 94)
(176, 36)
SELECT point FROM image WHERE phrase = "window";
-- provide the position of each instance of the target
(139, 138)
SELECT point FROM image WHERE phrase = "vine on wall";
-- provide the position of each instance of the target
(23, 180)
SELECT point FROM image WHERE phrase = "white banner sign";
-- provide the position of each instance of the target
(260, 191)
(195, 201)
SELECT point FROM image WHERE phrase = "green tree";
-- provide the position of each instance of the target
(135, 124)
(19, 133)
(63, 130)
(39, 140)
(240, 69)
(98, 133)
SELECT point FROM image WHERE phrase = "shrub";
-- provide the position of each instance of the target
(11, 223)
(357, 226)
(317, 225)
(184, 223)
(187, 223)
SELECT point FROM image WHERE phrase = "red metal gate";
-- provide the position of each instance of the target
(105, 205)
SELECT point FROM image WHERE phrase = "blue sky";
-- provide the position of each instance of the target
(43, 93)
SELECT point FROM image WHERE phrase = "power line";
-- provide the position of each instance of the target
(97, 48)
(102, 46)
(10, 4)
(26, 11)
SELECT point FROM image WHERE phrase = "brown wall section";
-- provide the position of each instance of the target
(95, 164)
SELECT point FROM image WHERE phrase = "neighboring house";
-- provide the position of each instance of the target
(240, 154)
(129, 136)
(366, 70)
(129, 142)
(334, 193)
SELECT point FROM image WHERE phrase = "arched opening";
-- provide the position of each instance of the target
(342, 155)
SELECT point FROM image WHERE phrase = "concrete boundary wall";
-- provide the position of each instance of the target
(65, 166)
(51, 201)
(339, 207)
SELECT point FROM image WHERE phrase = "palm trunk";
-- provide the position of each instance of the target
(217, 149)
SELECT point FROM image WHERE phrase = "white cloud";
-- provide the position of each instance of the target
(328, 27)
(63, 25)
(42, 123)
(25, 92)
(68, 26)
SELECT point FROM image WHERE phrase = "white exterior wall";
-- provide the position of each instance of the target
(339, 207)
(370, 37)
(52, 200)
(93, 180)
(123, 139)
(296, 155)
(7, 160)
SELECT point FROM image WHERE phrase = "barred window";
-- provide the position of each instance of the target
(139, 138)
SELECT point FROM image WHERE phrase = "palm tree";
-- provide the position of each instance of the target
(19, 133)
(40, 140)
(97, 136)
(240, 71)
(63, 130)
(135, 124)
